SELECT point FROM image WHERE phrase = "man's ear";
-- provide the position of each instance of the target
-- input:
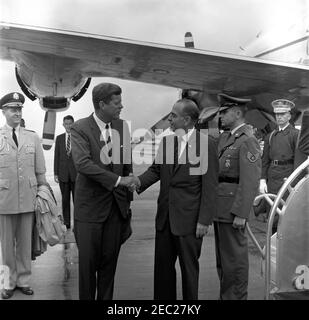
(187, 119)
(101, 104)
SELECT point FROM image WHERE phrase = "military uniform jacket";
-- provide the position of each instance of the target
(282, 147)
(21, 170)
(303, 143)
(239, 159)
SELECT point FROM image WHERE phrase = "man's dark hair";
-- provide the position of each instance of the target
(68, 117)
(104, 92)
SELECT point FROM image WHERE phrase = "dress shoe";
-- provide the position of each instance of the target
(7, 293)
(26, 290)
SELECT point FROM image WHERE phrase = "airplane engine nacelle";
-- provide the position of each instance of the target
(54, 103)
(53, 79)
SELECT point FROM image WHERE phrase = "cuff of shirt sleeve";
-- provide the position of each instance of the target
(117, 182)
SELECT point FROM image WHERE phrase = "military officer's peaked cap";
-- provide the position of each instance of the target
(226, 101)
(13, 99)
(104, 90)
(282, 105)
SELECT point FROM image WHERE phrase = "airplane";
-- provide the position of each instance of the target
(56, 66)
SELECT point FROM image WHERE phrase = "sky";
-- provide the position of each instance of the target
(216, 25)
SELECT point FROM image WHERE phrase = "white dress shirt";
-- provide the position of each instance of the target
(101, 124)
(184, 140)
(281, 129)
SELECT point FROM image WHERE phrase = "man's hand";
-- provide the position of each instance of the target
(263, 186)
(201, 230)
(136, 183)
(131, 182)
(56, 179)
(239, 223)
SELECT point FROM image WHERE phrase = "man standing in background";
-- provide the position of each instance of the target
(22, 169)
(64, 169)
(279, 151)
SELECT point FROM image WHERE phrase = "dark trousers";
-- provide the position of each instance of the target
(67, 188)
(99, 246)
(167, 248)
(232, 261)
(276, 175)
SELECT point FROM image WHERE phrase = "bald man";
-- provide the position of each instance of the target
(187, 166)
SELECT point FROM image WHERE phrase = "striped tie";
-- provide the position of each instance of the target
(108, 140)
(68, 146)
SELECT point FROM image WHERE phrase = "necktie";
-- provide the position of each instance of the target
(177, 142)
(68, 146)
(108, 140)
(14, 137)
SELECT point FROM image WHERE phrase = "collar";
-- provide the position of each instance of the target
(238, 127)
(282, 129)
(187, 136)
(100, 123)
(11, 128)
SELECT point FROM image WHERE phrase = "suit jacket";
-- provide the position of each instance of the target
(95, 182)
(239, 158)
(21, 170)
(185, 198)
(64, 166)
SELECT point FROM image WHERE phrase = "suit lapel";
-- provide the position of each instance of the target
(96, 132)
(62, 141)
(21, 138)
(184, 157)
(10, 140)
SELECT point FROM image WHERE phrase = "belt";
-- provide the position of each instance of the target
(282, 162)
(228, 179)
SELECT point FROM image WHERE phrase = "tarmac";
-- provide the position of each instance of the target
(55, 273)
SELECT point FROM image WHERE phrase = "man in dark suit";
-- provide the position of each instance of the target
(239, 174)
(187, 200)
(101, 152)
(64, 169)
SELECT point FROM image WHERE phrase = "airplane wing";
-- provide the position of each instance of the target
(102, 56)
(83, 56)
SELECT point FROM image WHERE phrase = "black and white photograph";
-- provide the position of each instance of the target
(154, 150)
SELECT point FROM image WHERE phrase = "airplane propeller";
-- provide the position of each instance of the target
(49, 129)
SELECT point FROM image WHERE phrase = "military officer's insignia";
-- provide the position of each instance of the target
(4, 143)
(1, 143)
(15, 96)
(30, 148)
(227, 163)
(252, 157)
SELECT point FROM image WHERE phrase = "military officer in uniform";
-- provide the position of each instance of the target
(22, 169)
(279, 151)
(239, 174)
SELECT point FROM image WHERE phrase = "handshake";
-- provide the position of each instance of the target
(131, 182)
